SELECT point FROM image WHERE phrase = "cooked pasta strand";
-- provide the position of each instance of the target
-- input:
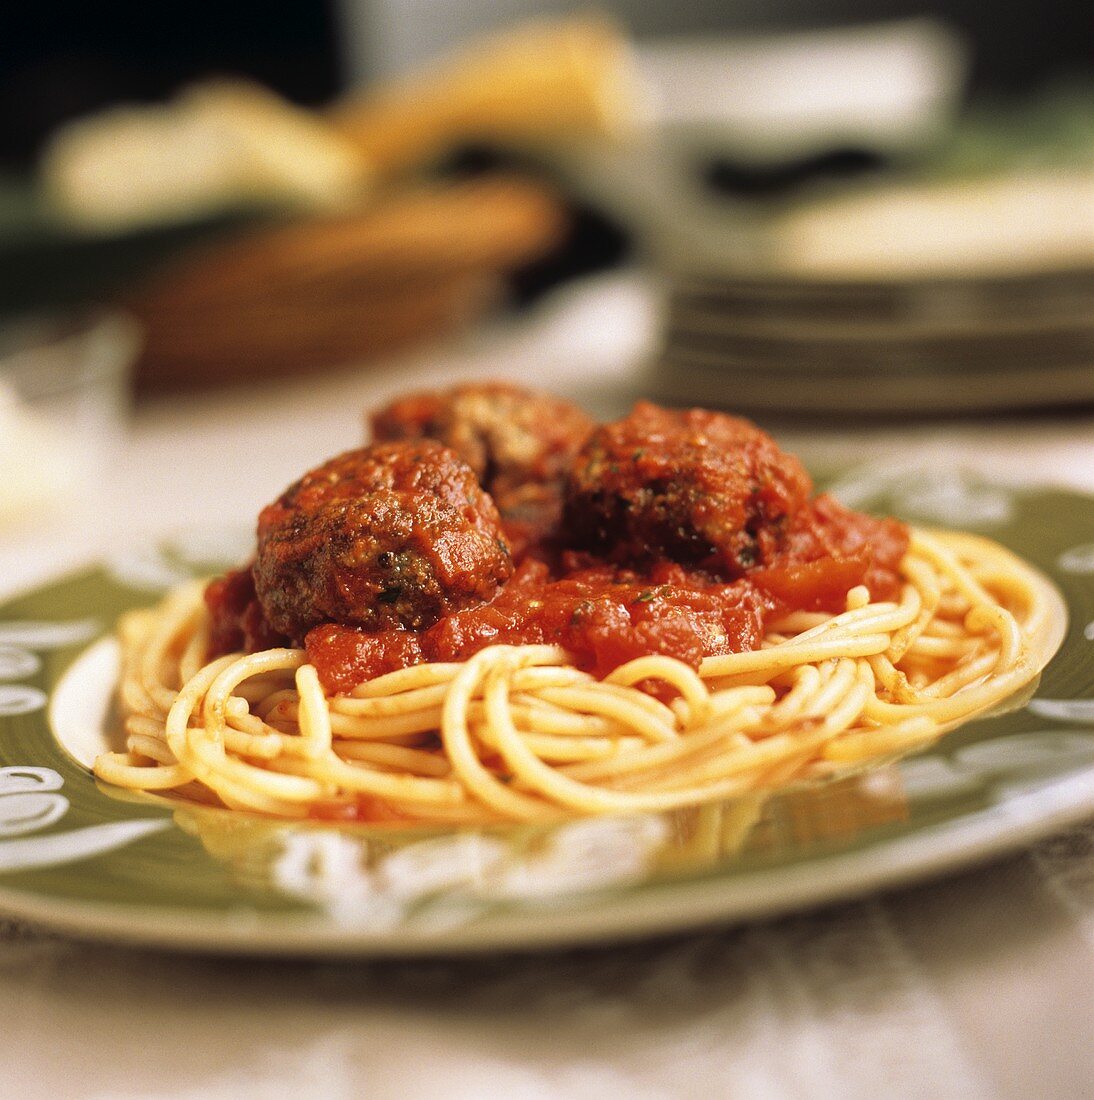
(517, 733)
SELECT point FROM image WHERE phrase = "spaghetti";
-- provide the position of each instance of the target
(518, 733)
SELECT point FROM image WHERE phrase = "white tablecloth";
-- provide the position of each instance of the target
(976, 986)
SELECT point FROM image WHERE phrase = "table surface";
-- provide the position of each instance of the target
(976, 985)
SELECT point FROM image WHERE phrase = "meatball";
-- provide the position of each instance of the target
(519, 443)
(392, 536)
(694, 486)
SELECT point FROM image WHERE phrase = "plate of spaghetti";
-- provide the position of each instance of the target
(502, 661)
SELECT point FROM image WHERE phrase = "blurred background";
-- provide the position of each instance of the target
(837, 213)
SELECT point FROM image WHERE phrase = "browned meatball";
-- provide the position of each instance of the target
(390, 536)
(697, 487)
(510, 437)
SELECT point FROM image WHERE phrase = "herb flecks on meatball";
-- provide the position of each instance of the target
(519, 443)
(391, 536)
(697, 487)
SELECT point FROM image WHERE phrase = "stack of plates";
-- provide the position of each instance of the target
(933, 345)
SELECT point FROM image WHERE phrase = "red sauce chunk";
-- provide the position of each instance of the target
(238, 623)
(828, 550)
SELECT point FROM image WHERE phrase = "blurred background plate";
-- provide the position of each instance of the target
(882, 349)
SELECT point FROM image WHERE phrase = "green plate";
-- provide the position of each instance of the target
(81, 858)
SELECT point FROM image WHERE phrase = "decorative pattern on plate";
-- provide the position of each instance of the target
(16, 663)
(448, 880)
(48, 635)
(29, 794)
(29, 802)
(161, 564)
(21, 700)
(946, 497)
(1079, 559)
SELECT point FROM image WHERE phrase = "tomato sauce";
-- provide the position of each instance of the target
(827, 550)
(685, 534)
(603, 614)
(238, 622)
